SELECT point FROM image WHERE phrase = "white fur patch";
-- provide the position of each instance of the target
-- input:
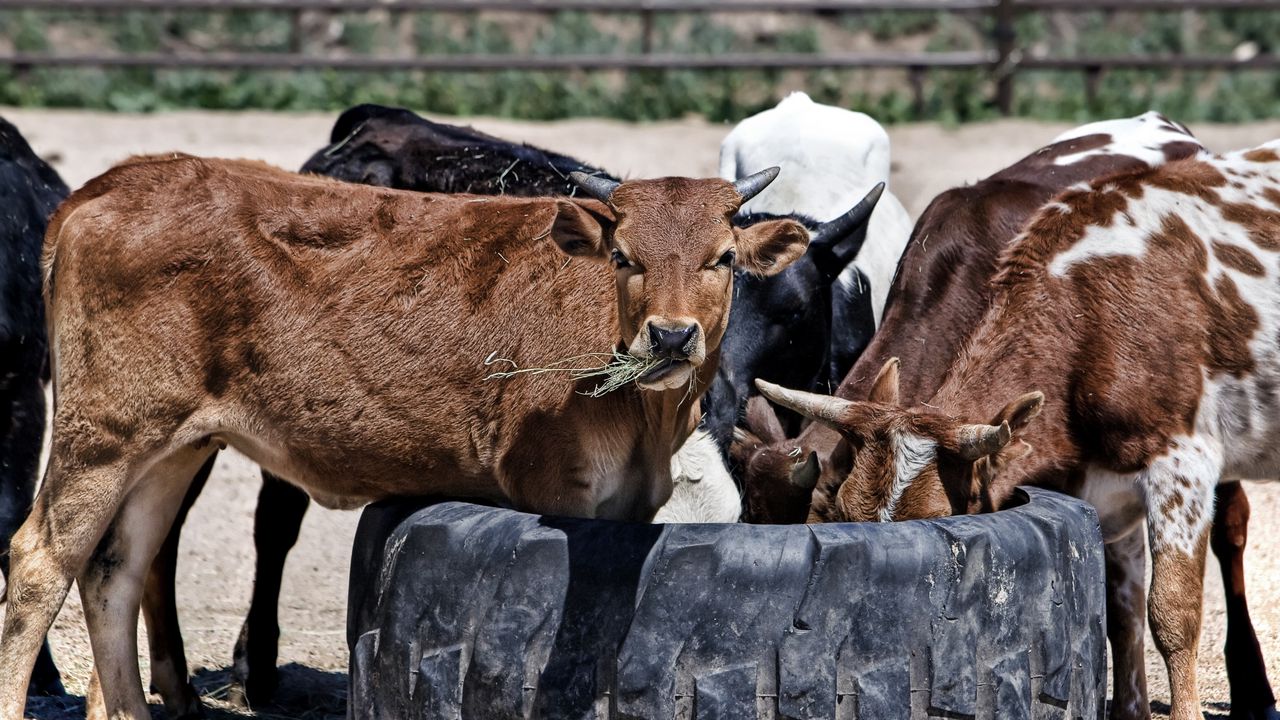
(1142, 137)
(1179, 489)
(1100, 242)
(830, 158)
(911, 455)
(702, 491)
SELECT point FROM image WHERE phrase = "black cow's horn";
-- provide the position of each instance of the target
(751, 185)
(831, 233)
(597, 187)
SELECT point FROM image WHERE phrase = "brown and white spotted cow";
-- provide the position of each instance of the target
(1130, 357)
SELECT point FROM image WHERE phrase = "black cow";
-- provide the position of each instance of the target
(800, 324)
(395, 148)
(30, 190)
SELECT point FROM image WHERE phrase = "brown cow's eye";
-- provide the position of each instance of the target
(619, 260)
(726, 260)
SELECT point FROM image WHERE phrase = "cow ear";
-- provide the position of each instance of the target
(1021, 411)
(767, 248)
(884, 389)
(579, 228)
(987, 494)
(763, 421)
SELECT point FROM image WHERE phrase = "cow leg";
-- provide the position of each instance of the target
(70, 513)
(1251, 695)
(1126, 626)
(111, 585)
(276, 523)
(160, 611)
(1179, 495)
(21, 437)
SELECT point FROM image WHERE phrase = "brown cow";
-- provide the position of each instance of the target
(1145, 307)
(336, 334)
(940, 293)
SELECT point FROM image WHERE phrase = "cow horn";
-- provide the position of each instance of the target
(978, 441)
(818, 407)
(848, 224)
(751, 185)
(597, 187)
(805, 475)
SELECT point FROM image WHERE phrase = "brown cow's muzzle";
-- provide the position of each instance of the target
(678, 344)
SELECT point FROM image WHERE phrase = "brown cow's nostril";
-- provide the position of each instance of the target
(672, 343)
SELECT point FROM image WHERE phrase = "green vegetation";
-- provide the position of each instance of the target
(951, 96)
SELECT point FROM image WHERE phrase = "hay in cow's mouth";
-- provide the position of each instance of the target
(618, 369)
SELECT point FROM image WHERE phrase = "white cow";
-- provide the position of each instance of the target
(703, 491)
(830, 157)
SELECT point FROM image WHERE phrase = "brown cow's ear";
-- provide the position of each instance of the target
(769, 247)
(579, 227)
(988, 494)
(884, 389)
(1021, 411)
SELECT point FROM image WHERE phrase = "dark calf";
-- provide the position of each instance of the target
(785, 325)
(392, 147)
(29, 192)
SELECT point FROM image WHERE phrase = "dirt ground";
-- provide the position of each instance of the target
(217, 555)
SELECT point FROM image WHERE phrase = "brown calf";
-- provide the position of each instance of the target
(1145, 308)
(337, 334)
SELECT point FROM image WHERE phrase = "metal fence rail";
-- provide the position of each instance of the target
(1004, 60)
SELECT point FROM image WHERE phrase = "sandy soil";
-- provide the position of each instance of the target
(217, 554)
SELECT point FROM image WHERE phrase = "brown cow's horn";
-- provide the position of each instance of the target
(597, 187)
(751, 185)
(805, 475)
(832, 232)
(818, 407)
(978, 441)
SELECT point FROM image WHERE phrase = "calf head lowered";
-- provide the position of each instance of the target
(906, 464)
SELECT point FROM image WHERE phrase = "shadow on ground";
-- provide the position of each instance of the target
(305, 694)
(1212, 710)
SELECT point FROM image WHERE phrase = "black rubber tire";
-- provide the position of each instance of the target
(458, 610)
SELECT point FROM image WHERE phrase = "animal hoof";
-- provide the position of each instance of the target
(186, 706)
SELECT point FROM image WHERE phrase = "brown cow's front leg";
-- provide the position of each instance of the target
(169, 675)
(276, 523)
(1251, 695)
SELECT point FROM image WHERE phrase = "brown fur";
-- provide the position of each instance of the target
(941, 291)
(337, 334)
(1120, 345)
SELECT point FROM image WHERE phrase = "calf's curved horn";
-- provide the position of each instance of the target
(818, 407)
(751, 185)
(597, 187)
(832, 232)
(976, 441)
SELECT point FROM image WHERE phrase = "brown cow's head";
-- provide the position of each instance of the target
(673, 250)
(908, 464)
